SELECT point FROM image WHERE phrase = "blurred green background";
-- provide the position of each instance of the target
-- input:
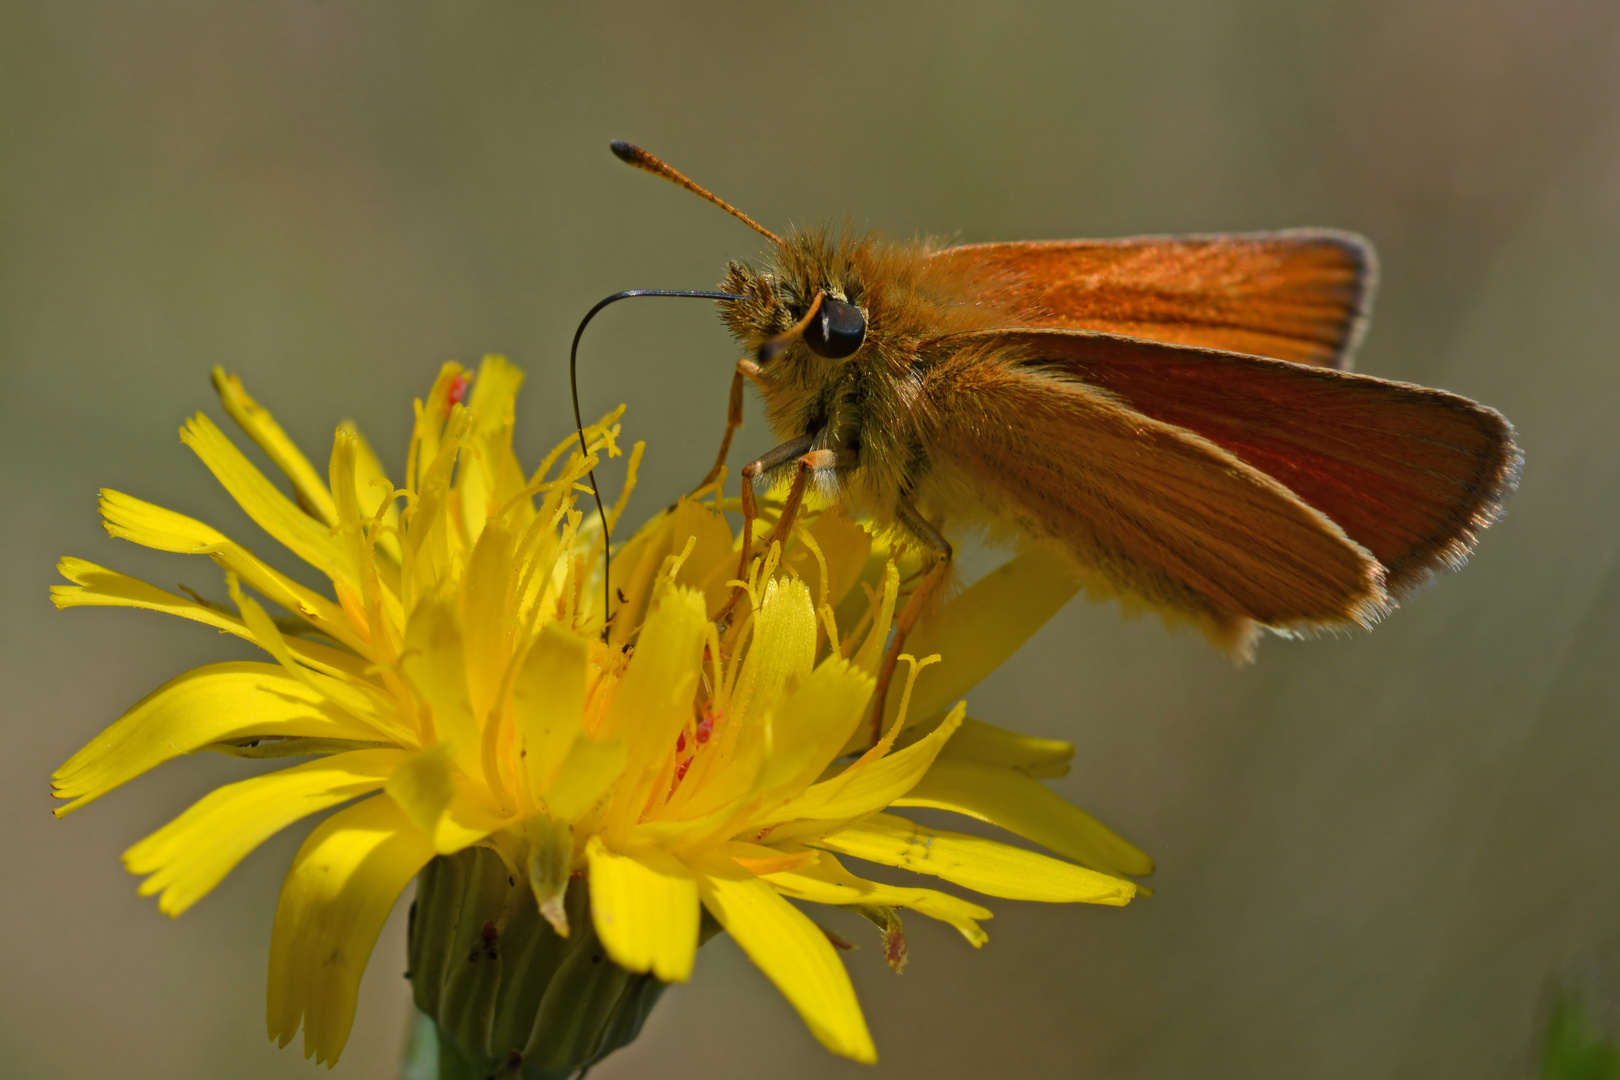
(1373, 850)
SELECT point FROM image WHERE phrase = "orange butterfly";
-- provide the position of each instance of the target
(1175, 413)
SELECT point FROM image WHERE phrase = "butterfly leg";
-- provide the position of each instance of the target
(923, 597)
(771, 459)
(809, 464)
(734, 418)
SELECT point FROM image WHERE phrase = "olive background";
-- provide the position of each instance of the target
(1374, 850)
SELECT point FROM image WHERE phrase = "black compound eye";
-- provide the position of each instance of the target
(837, 330)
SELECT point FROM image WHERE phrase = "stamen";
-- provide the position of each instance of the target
(711, 653)
(885, 744)
(673, 566)
(872, 648)
(802, 531)
(916, 667)
(629, 484)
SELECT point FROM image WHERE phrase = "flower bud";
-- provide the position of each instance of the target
(508, 995)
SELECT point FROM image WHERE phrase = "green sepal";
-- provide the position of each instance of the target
(506, 995)
(472, 975)
(551, 855)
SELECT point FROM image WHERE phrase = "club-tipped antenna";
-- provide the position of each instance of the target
(641, 159)
(579, 424)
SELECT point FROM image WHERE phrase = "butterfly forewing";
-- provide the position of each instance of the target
(1300, 295)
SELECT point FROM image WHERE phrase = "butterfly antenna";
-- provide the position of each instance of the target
(635, 155)
(579, 425)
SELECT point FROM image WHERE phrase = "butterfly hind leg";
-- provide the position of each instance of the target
(923, 598)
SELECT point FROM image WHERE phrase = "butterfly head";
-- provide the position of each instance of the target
(807, 308)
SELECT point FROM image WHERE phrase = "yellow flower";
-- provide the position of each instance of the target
(459, 682)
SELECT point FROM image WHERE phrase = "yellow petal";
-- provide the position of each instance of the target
(713, 561)
(262, 428)
(486, 614)
(635, 570)
(435, 663)
(811, 725)
(144, 523)
(991, 745)
(783, 650)
(494, 392)
(433, 546)
(982, 626)
(96, 586)
(440, 801)
(655, 699)
(979, 864)
(828, 882)
(645, 907)
(432, 417)
(773, 758)
(141, 522)
(491, 475)
(376, 581)
(193, 853)
(257, 749)
(589, 771)
(236, 700)
(303, 535)
(367, 471)
(548, 704)
(343, 882)
(357, 697)
(868, 786)
(759, 859)
(792, 951)
(1011, 800)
